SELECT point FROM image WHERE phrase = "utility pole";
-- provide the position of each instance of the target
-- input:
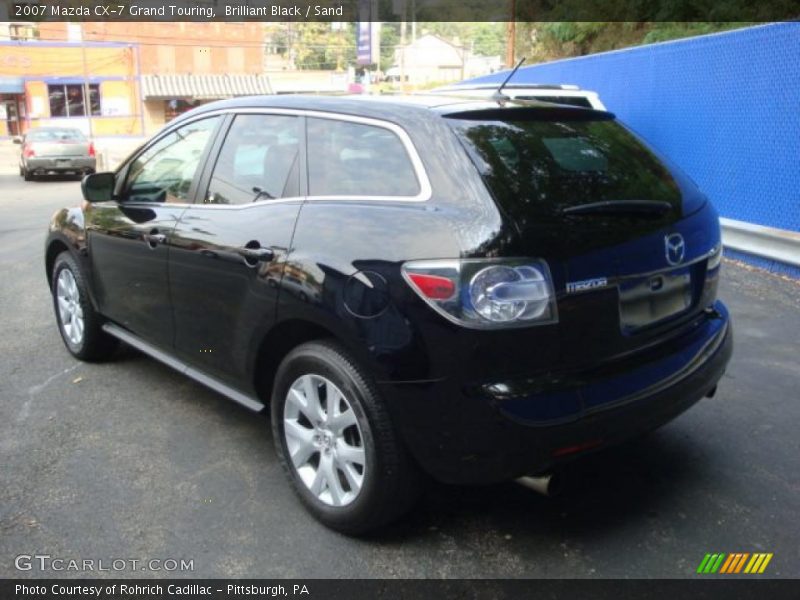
(511, 34)
(403, 53)
(413, 21)
(87, 101)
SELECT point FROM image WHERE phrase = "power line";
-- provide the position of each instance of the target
(222, 44)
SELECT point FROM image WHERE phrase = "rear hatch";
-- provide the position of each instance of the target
(627, 238)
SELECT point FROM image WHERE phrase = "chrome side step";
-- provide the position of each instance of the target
(181, 367)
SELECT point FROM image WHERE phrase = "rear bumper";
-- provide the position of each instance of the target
(59, 165)
(462, 431)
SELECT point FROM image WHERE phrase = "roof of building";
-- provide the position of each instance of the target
(204, 87)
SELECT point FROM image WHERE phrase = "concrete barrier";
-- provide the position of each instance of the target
(112, 151)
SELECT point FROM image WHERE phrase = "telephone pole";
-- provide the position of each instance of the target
(511, 34)
(87, 98)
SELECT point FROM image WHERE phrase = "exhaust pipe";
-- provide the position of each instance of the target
(546, 485)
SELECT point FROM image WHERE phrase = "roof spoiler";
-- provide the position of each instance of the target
(532, 112)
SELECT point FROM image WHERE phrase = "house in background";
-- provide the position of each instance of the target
(431, 59)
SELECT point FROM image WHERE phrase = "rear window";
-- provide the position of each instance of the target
(581, 101)
(55, 135)
(540, 167)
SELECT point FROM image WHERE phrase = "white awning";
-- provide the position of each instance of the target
(204, 87)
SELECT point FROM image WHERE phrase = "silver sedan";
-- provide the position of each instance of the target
(55, 150)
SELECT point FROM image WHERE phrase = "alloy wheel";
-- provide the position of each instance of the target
(70, 312)
(324, 440)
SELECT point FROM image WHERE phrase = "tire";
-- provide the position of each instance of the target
(390, 483)
(78, 322)
(26, 174)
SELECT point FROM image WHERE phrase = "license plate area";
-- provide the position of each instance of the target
(63, 162)
(649, 299)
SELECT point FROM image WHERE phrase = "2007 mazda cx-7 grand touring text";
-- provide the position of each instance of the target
(416, 287)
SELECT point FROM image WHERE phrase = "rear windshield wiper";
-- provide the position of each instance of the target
(637, 207)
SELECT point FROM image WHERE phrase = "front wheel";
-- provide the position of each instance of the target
(336, 442)
(78, 322)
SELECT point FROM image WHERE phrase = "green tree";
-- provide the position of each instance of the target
(390, 38)
(543, 41)
(324, 45)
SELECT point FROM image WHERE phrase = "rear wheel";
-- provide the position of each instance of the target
(26, 174)
(336, 442)
(79, 324)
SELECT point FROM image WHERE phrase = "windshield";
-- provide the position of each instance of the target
(541, 167)
(55, 135)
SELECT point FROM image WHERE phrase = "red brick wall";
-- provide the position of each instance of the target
(214, 38)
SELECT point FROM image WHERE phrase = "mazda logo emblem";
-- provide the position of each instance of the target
(675, 248)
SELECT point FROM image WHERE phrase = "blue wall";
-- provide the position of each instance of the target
(725, 107)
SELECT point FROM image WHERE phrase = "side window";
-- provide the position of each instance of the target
(354, 159)
(259, 160)
(165, 171)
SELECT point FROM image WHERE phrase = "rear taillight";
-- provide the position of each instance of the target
(27, 151)
(433, 287)
(486, 294)
(91, 149)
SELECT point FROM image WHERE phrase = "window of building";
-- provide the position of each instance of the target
(258, 161)
(68, 100)
(354, 159)
(165, 171)
(177, 106)
(22, 31)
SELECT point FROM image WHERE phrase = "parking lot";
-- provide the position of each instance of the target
(128, 459)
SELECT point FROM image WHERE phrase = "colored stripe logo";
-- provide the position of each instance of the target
(737, 562)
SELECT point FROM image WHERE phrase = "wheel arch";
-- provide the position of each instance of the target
(54, 248)
(277, 343)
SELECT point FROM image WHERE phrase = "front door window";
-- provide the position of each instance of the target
(165, 171)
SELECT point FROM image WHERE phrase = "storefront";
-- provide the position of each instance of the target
(92, 86)
(12, 105)
(168, 96)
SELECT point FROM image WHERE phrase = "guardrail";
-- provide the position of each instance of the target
(766, 242)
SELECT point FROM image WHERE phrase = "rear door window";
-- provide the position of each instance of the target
(259, 160)
(350, 159)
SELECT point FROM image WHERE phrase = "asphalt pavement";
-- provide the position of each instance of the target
(129, 460)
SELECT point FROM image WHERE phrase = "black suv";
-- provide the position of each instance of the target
(421, 286)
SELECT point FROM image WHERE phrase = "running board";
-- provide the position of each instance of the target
(181, 367)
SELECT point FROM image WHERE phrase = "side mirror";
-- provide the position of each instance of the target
(17, 139)
(98, 187)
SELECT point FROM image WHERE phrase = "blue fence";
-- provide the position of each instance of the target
(725, 107)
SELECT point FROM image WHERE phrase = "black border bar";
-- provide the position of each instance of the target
(402, 10)
(709, 588)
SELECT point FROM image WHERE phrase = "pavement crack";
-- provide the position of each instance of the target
(25, 409)
(38, 388)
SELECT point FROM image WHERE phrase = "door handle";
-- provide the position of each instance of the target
(154, 238)
(253, 255)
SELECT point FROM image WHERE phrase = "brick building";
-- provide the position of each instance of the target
(168, 69)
